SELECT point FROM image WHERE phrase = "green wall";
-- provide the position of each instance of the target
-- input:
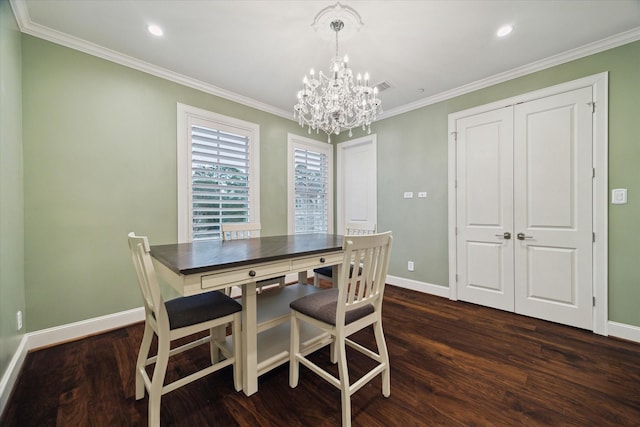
(99, 147)
(100, 161)
(12, 296)
(415, 143)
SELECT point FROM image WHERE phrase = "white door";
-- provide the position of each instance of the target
(356, 182)
(553, 208)
(485, 209)
(527, 171)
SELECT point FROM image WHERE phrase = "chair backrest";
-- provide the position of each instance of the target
(147, 279)
(364, 285)
(359, 228)
(240, 230)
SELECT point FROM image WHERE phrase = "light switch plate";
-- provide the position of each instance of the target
(408, 194)
(422, 194)
(619, 196)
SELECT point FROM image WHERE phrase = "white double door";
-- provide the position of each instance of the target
(524, 208)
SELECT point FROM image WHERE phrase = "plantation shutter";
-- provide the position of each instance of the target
(219, 180)
(311, 191)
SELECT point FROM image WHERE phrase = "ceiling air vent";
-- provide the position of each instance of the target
(382, 86)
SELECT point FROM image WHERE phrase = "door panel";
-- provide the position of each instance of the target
(551, 274)
(549, 164)
(483, 266)
(485, 208)
(553, 208)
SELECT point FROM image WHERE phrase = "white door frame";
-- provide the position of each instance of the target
(341, 148)
(599, 85)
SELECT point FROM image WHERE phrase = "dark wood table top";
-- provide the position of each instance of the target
(212, 255)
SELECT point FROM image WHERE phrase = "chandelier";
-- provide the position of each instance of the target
(337, 102)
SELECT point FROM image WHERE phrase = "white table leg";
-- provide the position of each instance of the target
(336, 272)
(302, 277)
(249, 340)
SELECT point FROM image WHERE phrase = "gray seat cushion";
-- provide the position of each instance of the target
(323, 305)
(324, 271)
(187, 311)
(328, 271)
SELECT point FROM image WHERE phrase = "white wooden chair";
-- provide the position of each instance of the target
(352, 229)
(175, 319)
(354, 305)
(247, 230)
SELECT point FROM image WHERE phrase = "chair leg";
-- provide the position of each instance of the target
(238, 369)
(294, 349)
(333, 352)
(159, 371)
(343, 373)
(143, 355)
(217, 335)
(384, 355)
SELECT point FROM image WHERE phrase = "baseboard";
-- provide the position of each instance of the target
(621, 330)
(10, 376)
(427, 288)
(77, 330)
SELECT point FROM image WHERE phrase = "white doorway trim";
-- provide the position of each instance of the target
(341, 148)
(599, 85)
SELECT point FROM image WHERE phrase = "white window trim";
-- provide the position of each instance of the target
(295, 141)
(188, 116)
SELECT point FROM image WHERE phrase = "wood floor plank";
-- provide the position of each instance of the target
(453, 364)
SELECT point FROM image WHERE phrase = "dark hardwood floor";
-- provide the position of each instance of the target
(453, 364)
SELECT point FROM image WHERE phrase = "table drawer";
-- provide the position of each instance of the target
(243, 275)
(315, 261)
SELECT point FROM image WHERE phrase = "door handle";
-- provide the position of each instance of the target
(521, 236)
(505, 236)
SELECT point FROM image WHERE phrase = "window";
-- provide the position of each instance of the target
(217, 173)
(310, 178)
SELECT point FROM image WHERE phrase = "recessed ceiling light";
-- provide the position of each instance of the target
(155, 30)
(504, 30)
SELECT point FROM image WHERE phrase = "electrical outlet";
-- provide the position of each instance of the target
(408, 195)
(410, 265)
(19, 319)
(422, 194)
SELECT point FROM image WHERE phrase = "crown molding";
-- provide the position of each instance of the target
(551, 61)
(29, 27)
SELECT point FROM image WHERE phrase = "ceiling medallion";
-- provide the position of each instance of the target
(336, 102)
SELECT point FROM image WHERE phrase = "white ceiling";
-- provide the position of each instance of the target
(257, 52)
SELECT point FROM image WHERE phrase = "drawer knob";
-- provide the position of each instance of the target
(322, 260)
(252, 273)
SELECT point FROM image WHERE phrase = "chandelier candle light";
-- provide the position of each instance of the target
(333, 103)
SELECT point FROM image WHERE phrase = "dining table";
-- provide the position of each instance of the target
(215, 265)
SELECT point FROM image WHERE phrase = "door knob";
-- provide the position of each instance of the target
(505, 236)
(521, 236)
